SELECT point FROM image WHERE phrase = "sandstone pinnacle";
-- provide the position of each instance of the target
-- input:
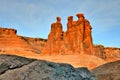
(77, 38)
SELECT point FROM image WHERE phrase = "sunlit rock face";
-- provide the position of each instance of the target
(99, 51)
(11, 43)
(107, 53)
(6, 31)
(77, 38)
(112, 54)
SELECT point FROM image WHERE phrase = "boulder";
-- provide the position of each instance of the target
(108, 71)
(20, 68)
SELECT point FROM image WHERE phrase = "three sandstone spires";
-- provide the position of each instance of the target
(76, 40)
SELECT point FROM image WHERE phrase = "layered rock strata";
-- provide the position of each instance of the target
(12, 43)
(107, 53)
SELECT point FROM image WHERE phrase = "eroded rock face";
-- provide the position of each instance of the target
(77, 38)
(19, 68)
(112, 54)
(7, 31)
(108, 71)
(12, 43)
(99, 51)
(107, 53)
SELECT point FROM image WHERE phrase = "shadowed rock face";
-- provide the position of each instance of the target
(20, 68)
(108, 71)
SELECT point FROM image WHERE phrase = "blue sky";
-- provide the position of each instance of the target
(33, 17)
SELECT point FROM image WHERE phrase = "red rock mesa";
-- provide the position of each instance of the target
(77, 38)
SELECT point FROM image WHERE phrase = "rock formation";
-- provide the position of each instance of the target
(20, 68)
(12, 43)
(99, 51)
(112, 54)
(77, 38)
(108, 71)
(7, 31)
(107, 53)
(32, 48)
(76, 41)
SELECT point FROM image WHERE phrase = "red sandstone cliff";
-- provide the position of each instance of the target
(76, 41)
(11, 43)
(7, 31)
(107, 53)
(77, 38)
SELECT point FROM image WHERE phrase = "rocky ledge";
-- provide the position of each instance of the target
(20, 68)
(108, 71)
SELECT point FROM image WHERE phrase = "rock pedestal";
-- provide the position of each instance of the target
(77, 38)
